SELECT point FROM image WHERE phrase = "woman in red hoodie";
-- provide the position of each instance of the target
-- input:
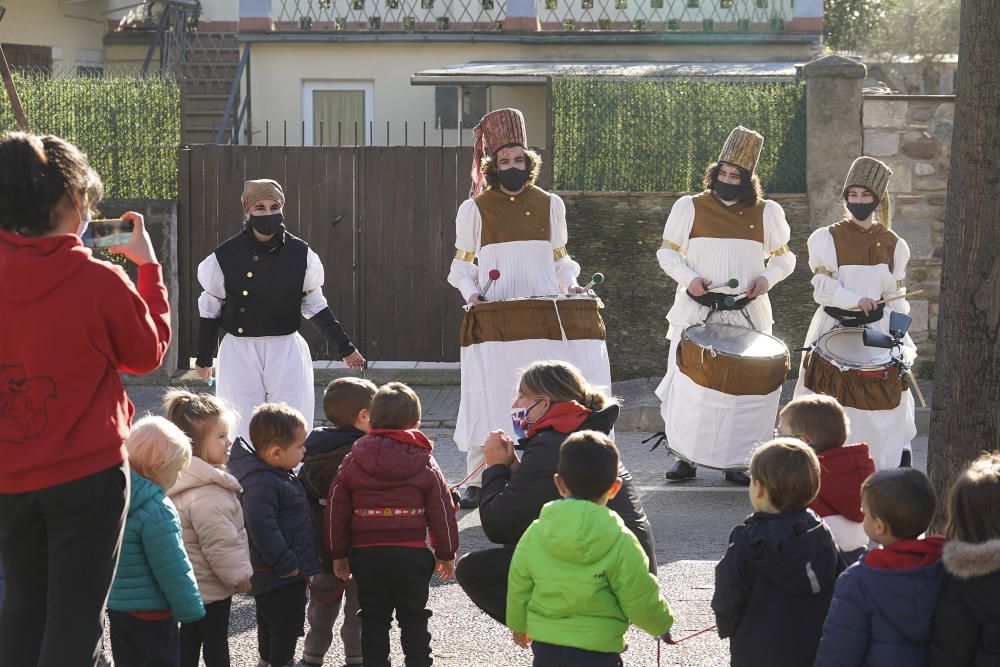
(70, 324)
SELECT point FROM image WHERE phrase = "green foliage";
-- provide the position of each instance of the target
(129, 126)
(659, 135)
(849, 25)
(923, 29)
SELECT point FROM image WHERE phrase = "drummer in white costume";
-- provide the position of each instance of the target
(520, 230)
(855, 263)
(258, 285)
(728, 231)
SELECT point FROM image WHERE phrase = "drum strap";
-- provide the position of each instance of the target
(855, 318)
(717, 301)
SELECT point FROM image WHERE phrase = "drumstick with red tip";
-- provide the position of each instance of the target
(732, 282)
(595, 279)
(494, 276)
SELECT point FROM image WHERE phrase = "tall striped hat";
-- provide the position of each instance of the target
(742, 149)
(503, 127)
(873, 175)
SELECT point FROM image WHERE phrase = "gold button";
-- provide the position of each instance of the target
(249, 274)
(256, 258)
(878, 243)
(245, 293)
(240, 330)
(512, 199)
(751, 226)
(527, 212)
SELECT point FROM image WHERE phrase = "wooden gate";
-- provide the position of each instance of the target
(382, 219)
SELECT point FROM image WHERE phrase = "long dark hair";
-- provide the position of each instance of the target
(750, 193)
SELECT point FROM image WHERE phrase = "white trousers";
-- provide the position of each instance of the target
(269, 369)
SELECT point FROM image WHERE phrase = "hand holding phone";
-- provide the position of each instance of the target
(108, 233)
(139, 247)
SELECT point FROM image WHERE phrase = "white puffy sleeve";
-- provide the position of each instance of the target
(675, 239)
(897, 286)
(781, 260)
(214, 285)
(313, 300)
(567, 270)
(464, 274)
(827, 290)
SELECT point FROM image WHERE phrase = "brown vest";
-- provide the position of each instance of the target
(524, 217)
(860, 247)
(713, 219)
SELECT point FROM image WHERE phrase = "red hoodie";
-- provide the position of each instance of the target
(907, 554)
(68, 324)
(389, 491)
(842, 470)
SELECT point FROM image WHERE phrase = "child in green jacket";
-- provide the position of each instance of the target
(579, 576)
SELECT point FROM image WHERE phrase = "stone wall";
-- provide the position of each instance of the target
(912, 134)
(618, 234)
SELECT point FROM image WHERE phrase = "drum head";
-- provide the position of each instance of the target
(846, 347)
(736, 341)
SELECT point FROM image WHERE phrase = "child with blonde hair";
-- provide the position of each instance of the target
(154, 586)
(207, 498)
(966, 627)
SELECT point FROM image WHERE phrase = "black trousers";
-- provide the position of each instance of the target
(394, 578)
(550, 655)
(281, 620)
(59, 547)
(139, 643)
(483, 577)
(210, 634)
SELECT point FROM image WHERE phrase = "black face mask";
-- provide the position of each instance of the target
(513, 179)
(728, 191)
(862, 211)
(265, 225)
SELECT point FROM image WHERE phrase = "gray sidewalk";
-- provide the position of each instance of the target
(640, 406)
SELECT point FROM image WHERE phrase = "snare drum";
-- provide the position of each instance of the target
(558, 317)
(839, 364)
(733, 360)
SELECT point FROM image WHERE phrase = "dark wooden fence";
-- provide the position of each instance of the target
(382, 219)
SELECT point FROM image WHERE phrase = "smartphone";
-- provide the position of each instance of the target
(108, 233)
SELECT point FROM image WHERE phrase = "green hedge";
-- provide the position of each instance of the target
(659, 135)
(129, 126)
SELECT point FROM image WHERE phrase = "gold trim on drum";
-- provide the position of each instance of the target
(822, 270)
(532, 319)
(780, 251)
(670, 246)
(465, 256)
(559, 253)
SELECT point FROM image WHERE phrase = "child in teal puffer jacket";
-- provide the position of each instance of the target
(154, 586)
(579, 577)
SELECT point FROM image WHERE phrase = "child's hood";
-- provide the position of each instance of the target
(905, 599)
(383, 457)
(32, 266)
(142, 492)
(966, 560)
(200, 474)
(794, 550)
(578, 531)
(847, 460)
(325, 440)
(243, 461)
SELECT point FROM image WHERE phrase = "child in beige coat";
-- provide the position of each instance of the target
(207, 499)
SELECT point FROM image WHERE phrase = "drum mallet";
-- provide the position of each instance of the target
(595, 279)
(732, 282)
(916, 388)
(494, 276)
(893, 298)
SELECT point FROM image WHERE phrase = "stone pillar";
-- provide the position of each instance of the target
(833, 132)
(255, 16)
(522, 16)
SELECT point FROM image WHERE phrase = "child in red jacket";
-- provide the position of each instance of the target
(388, 492)
(822, 423)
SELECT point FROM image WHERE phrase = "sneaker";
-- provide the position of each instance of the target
(470, 499)
(737, 477)
(906, 460)
(681, 471)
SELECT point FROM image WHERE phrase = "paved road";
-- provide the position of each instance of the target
(691, 522)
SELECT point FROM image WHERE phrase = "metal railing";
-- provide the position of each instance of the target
(234, 91)
(174, 20)
(750, 16)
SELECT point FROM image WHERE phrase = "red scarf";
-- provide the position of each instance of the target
(563, 417)
(411, 437)
(907, 554)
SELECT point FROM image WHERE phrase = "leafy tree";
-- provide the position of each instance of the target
(848, 25)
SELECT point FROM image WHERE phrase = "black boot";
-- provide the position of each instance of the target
(737, 477)
(681, 471)
(470, 499)
(906, 460)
